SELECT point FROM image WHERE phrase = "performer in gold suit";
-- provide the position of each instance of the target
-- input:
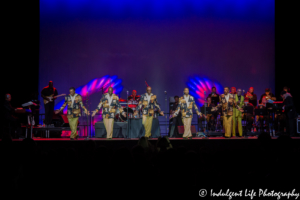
(226, 102)
(109, 103)
(74, 102)
(237, 114)
(186, 104)
(148, 103)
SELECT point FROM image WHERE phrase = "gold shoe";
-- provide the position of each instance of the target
(185, 138)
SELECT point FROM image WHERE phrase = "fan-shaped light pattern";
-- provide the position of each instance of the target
(96, 85)
(198, 84)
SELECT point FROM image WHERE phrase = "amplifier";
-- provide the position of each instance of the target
(181, 129)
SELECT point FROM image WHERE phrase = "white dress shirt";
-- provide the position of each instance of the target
(186, 98)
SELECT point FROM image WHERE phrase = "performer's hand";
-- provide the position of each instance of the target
(135, 112)
(86, 112)
(124, 114)
(162, 113)
(94, 113)
(238, 102)
(200, 114)
(57, 111)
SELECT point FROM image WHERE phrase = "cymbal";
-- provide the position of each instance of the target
(122, 100)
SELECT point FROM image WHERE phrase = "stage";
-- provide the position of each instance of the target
(196, 143)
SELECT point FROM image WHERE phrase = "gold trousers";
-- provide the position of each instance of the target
(109, 126)
(227, 123)
(237, 120)
(187, 121)
(73, 122)
(147, 122)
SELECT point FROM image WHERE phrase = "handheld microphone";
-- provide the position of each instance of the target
(165, 92)
(127, 92)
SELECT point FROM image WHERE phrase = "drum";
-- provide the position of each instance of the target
(128, 113)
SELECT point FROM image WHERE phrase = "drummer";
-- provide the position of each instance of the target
(134, 97)
(133, 101)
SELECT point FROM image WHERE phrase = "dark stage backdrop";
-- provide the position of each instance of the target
(163, 42)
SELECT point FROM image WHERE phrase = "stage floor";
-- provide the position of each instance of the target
(129, 139)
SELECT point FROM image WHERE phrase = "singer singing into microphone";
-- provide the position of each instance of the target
(186, 104)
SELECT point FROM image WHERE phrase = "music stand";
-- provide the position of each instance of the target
(261, 111)
(277, 109)
(247, 109)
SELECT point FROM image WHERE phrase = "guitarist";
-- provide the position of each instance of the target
(49, 107)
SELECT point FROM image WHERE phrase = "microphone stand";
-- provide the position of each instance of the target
(87, 117)
(205, 113)
(128, 122)
(166, 103)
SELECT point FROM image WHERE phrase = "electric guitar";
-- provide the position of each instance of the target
(51, 98)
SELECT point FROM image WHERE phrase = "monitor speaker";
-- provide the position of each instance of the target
(60, 120)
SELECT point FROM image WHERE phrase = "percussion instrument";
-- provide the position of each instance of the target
(132, 104)
(122, 100)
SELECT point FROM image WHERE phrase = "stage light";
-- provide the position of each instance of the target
(198, 84)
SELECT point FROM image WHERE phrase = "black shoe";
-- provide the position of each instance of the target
(77, 137)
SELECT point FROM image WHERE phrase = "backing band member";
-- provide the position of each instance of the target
(237, 114)
(226, 102)
(148, 103)
(186, 104)
(251, 97)
(9, 116)
(109, 103)
(74, 102)
(210, 118)
(233, 91)
(290, 111)
(262, 118)
(134, 97)
(268, 95)
(176, 121)
(49, 107)
(214, 94)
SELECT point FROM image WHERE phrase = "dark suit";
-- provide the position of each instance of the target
(291, 115)
(175, 122)
(11, 120)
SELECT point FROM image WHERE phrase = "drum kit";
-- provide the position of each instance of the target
(132, 107)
